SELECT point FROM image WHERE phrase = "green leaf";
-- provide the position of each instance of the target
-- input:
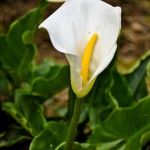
(11, 109)
(110, 91)
(77, 146)
(96, 100)
(31, 110)
(16, 48)
(119, 90)
(5, 85)
(58, 79)
(27, 112)
(43, 69)
(53, 134)
(136, 77)
(148, 78)
(124, 129)
(12, 136)
(145, 138)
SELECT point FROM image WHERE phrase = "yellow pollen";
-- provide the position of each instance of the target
(86, 58)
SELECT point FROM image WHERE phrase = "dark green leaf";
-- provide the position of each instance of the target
(109, 92)
(31, 110)
(124, 129)
(136, 77)
(12, 136)
(77, 146)
(96, 100)
(53, 134)
(119, 90)
(58, 79)
(11, 109)
(16, 48)
(5, 86)
(148, 78)
(43, 69)
(27, 112)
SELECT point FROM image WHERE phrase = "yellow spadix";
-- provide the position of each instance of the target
(86, 58)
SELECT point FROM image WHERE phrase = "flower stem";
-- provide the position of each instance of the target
(74, 124)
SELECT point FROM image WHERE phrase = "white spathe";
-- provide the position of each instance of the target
(70, 29)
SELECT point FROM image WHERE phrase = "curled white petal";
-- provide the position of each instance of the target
(70, 28)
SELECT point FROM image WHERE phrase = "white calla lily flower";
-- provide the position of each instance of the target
(86, 31)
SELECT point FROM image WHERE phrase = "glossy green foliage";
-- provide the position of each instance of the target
(55, 82)
(27, 112)
(124, 129)
(137, 75)
(107, 94)
(53, 134)
(77, 146)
